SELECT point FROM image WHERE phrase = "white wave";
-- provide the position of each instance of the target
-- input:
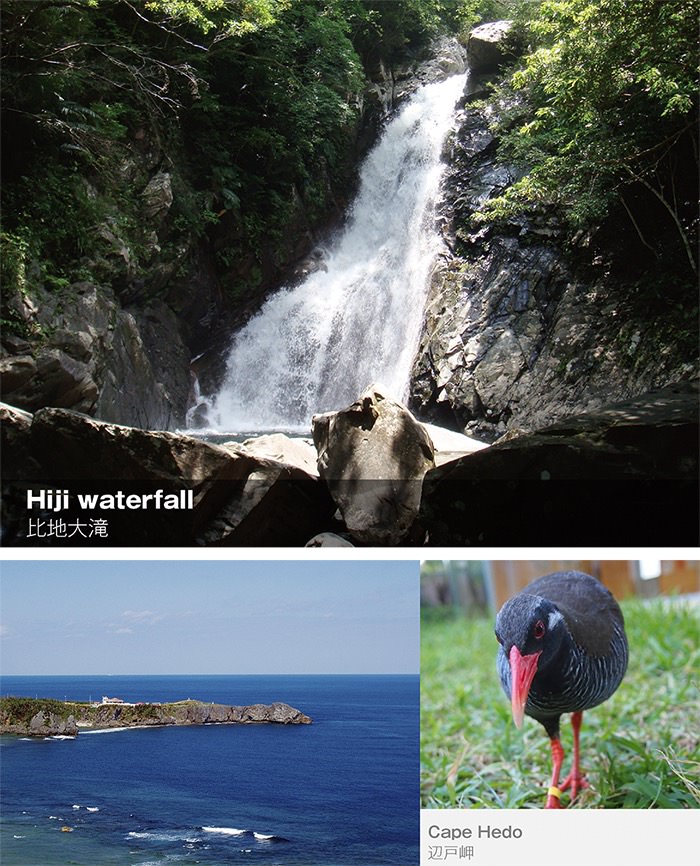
(225, 831)
(15, 836)
(75, 806)
(113, 730)
(93, 808)
(264, 837)
(163, 835)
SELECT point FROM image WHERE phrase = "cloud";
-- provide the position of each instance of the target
(132, 620)
(4, 631)
(142, 617)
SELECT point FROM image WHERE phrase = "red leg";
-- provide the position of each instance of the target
(557, 759)
(575, 779)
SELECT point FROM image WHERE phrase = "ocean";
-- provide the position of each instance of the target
(342, 791)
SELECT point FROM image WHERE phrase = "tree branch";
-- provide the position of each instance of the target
(674, 216)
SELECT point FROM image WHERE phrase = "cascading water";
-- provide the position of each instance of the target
(315, 347)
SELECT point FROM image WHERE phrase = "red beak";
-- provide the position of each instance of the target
(522, 671)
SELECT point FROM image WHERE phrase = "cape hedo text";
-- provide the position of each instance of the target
(483, 831)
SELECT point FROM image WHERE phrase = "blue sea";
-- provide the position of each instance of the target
(342, 791)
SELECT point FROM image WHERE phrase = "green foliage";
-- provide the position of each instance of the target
(231, 17)
(251, 104)
(18, 710)
(639, 749)
(14, 252)
(603, 111)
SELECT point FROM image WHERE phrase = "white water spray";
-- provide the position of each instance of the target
(315, 347)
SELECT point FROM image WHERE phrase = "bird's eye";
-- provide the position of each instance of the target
(539, 630)
(498, 638)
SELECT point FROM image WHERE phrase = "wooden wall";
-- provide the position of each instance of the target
(620, 576)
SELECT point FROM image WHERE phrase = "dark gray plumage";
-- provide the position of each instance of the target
(564, 637)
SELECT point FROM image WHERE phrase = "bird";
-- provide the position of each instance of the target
(563, 649)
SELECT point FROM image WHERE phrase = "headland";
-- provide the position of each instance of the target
(46, 717)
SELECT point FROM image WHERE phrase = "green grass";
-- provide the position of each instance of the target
(640, 749)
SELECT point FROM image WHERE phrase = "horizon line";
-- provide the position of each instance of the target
(266, 674)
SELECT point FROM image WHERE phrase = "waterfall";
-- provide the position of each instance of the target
(316, 346)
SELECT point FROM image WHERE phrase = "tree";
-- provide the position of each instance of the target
(607, 113)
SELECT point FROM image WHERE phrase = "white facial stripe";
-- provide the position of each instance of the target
(553, 618)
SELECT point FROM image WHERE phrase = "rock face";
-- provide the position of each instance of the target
(47, 724)
(39, 718)
(158, 196)
(373, 456)
(514, 339)
(98, 357)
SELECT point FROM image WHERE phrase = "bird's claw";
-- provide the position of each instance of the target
(574, 781)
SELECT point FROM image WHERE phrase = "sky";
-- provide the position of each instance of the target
(208, 617)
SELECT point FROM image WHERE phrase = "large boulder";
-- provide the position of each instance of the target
(625, 474)
(486, 49)
(50, 377)
(277, 446)
(237, 498)
(373, 456)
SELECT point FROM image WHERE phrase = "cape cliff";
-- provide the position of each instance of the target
(43, 717)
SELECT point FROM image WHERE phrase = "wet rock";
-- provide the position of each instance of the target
(373, 456)
(158, 332)
(391, 86)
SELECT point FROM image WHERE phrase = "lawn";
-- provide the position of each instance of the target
(640, 749)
